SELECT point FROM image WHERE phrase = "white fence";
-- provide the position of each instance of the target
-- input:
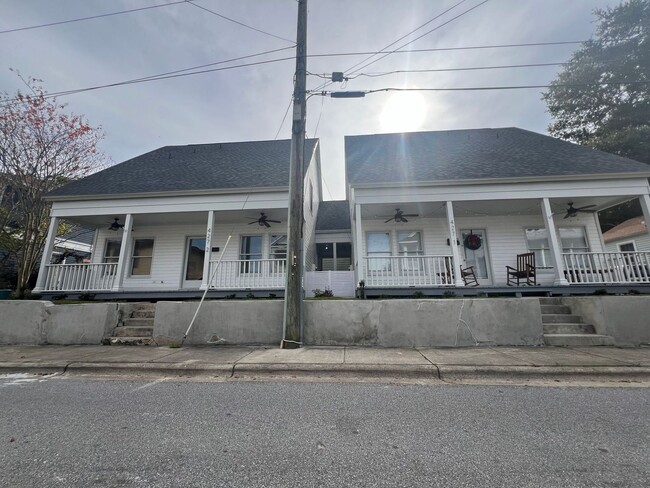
(607, 267)
(340, 282)
(391, 271)
(249, 274)
(79, 277)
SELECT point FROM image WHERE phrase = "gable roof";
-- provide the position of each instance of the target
(629, 228)
(333, 215)
(256, 164)
(474, 154)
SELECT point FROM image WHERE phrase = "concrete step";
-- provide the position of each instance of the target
(578, 340)
(143, 314)
(555, 309)
(561, 318)
(133, 331)
(138, 322)
(550, 301)
(559, 328)
(132, 341)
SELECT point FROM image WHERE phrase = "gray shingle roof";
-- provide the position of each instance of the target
(333, 215)
(255, 164)
(473, 154)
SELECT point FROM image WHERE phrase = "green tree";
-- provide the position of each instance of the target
(612, 112)
(41, 148)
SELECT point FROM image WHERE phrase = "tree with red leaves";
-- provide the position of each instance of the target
(42, 147)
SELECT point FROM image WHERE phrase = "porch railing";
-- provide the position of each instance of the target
(249, 274)
(607, 267)
(79, 277)
(392, 271)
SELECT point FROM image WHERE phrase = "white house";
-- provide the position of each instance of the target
(426, 205)
(166, 217)
(629, 236)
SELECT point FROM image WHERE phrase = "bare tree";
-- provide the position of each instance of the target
(42, 147)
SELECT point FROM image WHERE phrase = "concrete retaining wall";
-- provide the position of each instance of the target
(41, 322)
(234, 322)
(625, 318)
(406, 323)
(390, 323)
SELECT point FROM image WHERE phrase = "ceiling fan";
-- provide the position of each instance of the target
(115, 225)
(572, 211)
(263, 220)
(400, 216)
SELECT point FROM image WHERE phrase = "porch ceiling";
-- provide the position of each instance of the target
(485, 207)
(176, 218)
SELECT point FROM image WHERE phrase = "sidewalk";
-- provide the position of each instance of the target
(441, 364)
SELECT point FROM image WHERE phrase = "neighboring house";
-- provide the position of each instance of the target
(631, 235)
(75, 246)
(426, 204)
(165, 218)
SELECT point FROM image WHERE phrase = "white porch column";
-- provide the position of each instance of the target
(122, 262)
(556, 249)
(208, 252)
(452, 242)
(47, 253)
(358, 255)
(645, 206)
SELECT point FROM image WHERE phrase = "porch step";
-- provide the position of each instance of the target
(550, 301)
(132, 341)
(555, 309)
(138, 322)
(137, 328)
(559, 328)
(562, 328)
(561, 318)
(578, 340)
(133, 331)
(144, 314)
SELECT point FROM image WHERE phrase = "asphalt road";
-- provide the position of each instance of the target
(79, 432)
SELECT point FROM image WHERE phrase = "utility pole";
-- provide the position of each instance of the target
(293, 295)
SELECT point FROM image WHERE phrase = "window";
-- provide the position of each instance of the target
(279, 247)
(195, 258)
(112, 251)
(311, 197)
(409, 243)
(378, 244)
(250, 251)
(334, 256)
(572, 239)
(142, 255)
(627, 247)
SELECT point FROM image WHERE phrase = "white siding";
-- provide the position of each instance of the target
(642, 243)
(505, 235)
(310, 210)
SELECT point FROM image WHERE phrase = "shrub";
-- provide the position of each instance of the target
(323, 294)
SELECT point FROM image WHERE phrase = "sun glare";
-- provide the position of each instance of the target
(403, 112)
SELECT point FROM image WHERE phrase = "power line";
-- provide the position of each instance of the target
(411, 41)
(361, 93)
(459, 48)
(421, 36)
(284, 118)
(238, 23)
(154, 78)
(92, 17)
(405, 35)
(473, 68)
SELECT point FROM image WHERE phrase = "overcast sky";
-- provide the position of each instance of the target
(249, 103)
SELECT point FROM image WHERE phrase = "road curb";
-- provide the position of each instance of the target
(33, 367)
(426, 371)
(461, 372)
(145, 369)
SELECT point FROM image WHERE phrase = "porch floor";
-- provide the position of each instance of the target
(514, 291)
